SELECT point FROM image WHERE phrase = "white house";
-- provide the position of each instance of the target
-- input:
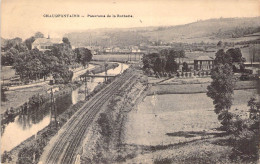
(44, 44)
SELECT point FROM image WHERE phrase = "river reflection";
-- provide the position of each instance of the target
(27, 125)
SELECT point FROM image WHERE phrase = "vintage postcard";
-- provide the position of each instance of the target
(130, 81)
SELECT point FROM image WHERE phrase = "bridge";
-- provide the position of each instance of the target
(103, 76)
(252, 64)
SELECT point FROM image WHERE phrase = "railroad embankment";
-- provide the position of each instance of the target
(103, 143)
(65, 146)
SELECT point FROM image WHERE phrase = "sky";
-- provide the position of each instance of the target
(22, 18)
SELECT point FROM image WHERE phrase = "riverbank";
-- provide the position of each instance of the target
(24, 150)
(18, 95)
(101, 67)
(17, 99)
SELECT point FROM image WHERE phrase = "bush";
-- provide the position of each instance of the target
(3, 94)
(162, 161)
(25, 156)
(6, 157)
(105, 125)
(245, 134)
(245, 140)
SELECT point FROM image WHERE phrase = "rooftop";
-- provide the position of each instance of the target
(204, 58)
(46, 40)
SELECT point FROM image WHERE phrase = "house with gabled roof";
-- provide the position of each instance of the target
(203, 63)
(43, 44)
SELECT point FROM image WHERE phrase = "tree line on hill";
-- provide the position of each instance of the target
(238, 32)
(32, 64)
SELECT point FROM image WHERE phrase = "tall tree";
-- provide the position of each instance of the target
(8, 57)
(171, 64)
(159, 65)
(236, 55)
(185, 67)
(28, 42)
(220, 44)
(63, 52)
(38, 35)
(182, 54)
(222, 87)
(83, 56)
(65, 40)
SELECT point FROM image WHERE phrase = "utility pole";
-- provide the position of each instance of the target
(86, 85)
(53, 111)
(121, 68)
(105, 72)
(85, 80)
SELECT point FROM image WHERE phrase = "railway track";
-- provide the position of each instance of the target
(64, 149)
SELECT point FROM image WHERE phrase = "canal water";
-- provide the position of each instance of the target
(25, 126)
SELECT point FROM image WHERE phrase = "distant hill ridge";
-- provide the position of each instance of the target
(211, 30)
(214, 28)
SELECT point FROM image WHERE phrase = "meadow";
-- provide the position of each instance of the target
(7, 72)
(181, 128)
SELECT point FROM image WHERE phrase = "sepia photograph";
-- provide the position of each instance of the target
(130, 81)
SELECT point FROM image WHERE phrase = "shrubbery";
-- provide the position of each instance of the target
(245, 134)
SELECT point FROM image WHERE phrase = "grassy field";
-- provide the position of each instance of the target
(117, 57)
(7, 72)
(179, 128)
(18, 97)
(212, 39)
(196, 87)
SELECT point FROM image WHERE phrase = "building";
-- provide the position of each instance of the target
(107, 50)
(135, 49)
(43, 44)
(203, 63)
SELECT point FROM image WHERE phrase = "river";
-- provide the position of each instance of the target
(25, 126)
